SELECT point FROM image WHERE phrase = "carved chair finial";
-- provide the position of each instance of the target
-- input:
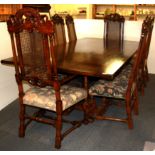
(57, 19)
(114, 17)
(69, 19)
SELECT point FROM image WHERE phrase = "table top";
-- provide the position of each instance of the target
(90, 57)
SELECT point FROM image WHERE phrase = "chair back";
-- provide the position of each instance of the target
(32, 45)
(71, 28)
(60, 37)
(114, 28)
(149, 21)
(138, 60)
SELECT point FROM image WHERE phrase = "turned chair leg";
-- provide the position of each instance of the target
(129, 116)
(146, 73)
(136, 103)
(130, 121)
(22, 121)
(58, 137)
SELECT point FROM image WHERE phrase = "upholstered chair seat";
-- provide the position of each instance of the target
(45, 97)
(115, 88)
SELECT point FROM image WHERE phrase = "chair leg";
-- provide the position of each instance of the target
(136, 103)
(58, 137)
(130, 121)
(129, 116)
(146, 73)
(141, 80)
(22, 120)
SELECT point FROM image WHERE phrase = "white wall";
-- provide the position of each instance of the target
(8, 87)
(84, 28)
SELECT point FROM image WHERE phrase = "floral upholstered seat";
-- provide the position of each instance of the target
(115, 88)
(45, 97)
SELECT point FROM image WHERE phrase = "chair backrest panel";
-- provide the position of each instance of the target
(114, 28)
(71, 28)
(138, 59)
(150, 23)
(32, 50)
(113, 32)
(31, 37)
(60, 36)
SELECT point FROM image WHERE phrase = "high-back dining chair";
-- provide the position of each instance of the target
(60, 36)
(114, 28)
(35, 63)
(123, 87)
(71, 28)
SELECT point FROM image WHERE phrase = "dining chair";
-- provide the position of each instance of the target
(71, 28)
(35, 63)
(122, 88)
(114, 29)
(143, 71)
(60, 36)
(150, 23)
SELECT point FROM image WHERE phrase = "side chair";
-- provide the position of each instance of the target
(71, 28)
(35, 63)
(150, 23)
(122, 88)
(143, 77)
(114, 28)
(60, 36)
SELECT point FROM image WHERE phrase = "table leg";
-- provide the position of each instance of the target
(90, 105)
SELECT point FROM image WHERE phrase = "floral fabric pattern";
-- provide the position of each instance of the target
(45, 97)
(115, 88)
